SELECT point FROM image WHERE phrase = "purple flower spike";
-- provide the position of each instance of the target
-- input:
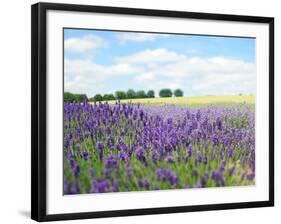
(189, 150)
(194, 172)
(231, 171)
(91, 172)
(67, 187)
(204, 179)
(170, 159)
(199, 156)
(146, 184)
(205, 160)
(86, 155)
(140, 155)
(140, 183)
(251, 176)
(100, 150)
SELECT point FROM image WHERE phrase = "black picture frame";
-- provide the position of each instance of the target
(39, 108)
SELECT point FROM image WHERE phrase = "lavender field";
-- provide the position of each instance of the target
(133, 147)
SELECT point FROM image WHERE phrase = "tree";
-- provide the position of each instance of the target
(165, 93)
(69, 97)
(120, 95)
(108, 97)
(141, 94)
(131, 94)
(178, 92)
(80, 97)
(98, 97)
(150, 94)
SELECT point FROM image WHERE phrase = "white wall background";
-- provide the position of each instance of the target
(15, 109)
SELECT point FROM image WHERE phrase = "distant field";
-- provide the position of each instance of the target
(195, 101)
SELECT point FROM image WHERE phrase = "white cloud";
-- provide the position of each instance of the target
(196, 66)
(87, 67)
(213, 75)
(161, 68)
(137, 37)
(151, 56)
(219, 84)
(84, 44)
(146, 77)
(84, 76)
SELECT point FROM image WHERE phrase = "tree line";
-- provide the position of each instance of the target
(120, 95)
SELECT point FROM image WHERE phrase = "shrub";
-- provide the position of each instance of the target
(80, 97)
(150, 94)
(98, 97)
(178, 92)
(108, 97)
(120, 95)
(131, 94)
(141, 94)
(165, 93)
(71, 97)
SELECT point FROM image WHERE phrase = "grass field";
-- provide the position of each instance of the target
(195, 101)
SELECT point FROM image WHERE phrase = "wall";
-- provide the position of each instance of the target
(15, 109)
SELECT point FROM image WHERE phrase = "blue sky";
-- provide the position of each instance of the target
(106, 61)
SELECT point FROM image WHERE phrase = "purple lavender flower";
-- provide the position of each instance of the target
(251, 176)
(86, 155)
(140, 183)
(146, 184)
(122, 156)
(167, 175)
(204, 179)
(199, 157)
(189, 150)
(67, 187)
(140, 155)
(222, 167)
(111, 162)
(100, 149)
(194, 172)
(198, 185)
(231, 170)
(170, 159)
(156, 187)
(75, 189)
(91, 172)
(76, 170)
(205, 160)
(133, 140)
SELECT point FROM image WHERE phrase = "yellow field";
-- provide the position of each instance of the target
(195, 101)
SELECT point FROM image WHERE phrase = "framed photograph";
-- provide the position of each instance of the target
(140, 111)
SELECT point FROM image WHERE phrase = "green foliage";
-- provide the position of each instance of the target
(131, 94)
(165, 93)
(120, 95)
(81, 97)
(71, 97)
(108, 97)
(141, 94)
(150, 94)
(178, 92)
(98, 98)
